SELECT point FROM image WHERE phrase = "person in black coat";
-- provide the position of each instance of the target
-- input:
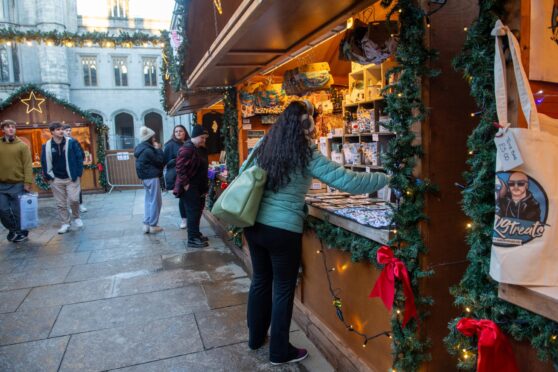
(150, 161)
(179, 136)
(192, 183)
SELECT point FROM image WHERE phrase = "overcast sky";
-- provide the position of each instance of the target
(154, 9)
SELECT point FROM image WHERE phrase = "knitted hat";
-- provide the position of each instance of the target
(198, 130)
(146, 134)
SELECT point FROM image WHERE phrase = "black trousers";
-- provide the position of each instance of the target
(194, 202)
(9, 207)
(182, 206)
(276, 255)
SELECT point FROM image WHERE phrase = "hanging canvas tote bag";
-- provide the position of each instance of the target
(239, 203)
(525, 236)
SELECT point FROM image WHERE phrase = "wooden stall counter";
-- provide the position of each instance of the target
(540, 300)
(352, 283)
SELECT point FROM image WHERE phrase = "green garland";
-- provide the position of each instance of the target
(100, 129)
(229, 133)
(82, 39)
(40, 180)
(172, 68)
(477, 293)
(405, 108)
(337, 237)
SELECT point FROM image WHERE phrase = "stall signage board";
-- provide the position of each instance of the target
(123, 156)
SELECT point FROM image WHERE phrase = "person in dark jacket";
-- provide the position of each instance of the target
(62, 164)
(192, 183)
(179, 136)
(150, 161)
(517, 201)
(68, 134)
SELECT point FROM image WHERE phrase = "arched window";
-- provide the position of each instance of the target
(154, 121)
(124, 131)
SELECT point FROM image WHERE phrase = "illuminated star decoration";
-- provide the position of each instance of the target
(33, 103)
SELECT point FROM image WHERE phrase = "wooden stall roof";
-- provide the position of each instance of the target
(256, 37)
(34, 107)
(193, 100)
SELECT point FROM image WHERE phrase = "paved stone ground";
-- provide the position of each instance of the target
(109, 297)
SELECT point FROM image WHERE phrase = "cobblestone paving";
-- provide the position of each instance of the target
(109, 297)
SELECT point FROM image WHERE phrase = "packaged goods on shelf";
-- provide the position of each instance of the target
(352, 153)
(373, 217)
(370, 153)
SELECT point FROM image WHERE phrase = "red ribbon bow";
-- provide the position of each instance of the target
(494, 350)
(385, 285)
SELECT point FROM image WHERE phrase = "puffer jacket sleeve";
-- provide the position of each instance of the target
(157, 158)
(335, 175)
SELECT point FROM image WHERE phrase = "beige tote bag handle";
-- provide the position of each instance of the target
(525, 95)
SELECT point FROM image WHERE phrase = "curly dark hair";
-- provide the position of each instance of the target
(286, 148)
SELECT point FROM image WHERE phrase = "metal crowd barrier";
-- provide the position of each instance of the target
(121, 170)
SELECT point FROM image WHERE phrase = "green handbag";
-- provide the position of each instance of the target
(239, 203)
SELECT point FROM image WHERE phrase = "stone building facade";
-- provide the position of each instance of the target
(119, 85)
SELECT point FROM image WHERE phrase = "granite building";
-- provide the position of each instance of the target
(119, 85)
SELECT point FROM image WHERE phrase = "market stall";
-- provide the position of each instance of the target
(33, 109)
(413, 123)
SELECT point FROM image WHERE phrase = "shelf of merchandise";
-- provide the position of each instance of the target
(363, 166)
(365, 134)
(378, 235)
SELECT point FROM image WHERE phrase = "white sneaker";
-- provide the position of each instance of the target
(64, 229)
(183, 224)
(82, 208)
(78, 222)
(145, 228)
(155, 229)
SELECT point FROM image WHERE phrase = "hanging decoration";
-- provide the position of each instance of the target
(385, 285)
(40, 180)
(33, 103)
(494, 353)
(477, 293)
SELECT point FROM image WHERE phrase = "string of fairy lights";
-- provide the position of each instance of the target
(88, 39)
(338, 304)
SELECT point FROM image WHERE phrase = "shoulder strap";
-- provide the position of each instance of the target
(500, 89)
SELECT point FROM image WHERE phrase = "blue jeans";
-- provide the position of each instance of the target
(153, 201)
(276, 255)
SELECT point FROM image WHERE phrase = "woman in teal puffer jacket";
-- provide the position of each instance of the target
(290, 159)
